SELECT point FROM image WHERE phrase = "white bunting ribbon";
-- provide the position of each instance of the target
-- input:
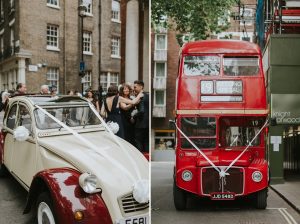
(199, 150)
(221, 170)
(250, 143)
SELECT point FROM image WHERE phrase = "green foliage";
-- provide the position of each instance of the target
(196, 17)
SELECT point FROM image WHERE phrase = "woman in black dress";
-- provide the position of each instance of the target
(112, 107)
(126, 111)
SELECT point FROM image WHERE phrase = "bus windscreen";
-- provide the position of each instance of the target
(241, 66)
(201, 65)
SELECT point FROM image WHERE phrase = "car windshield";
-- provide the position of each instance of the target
(201, 65)
(200, 130)
(71, 116)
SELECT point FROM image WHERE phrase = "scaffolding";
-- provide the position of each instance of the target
(282, 17)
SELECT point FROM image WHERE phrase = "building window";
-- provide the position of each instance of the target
(12, 4)
(159, 98)
(2, 45)
(115, 11)
(164, 139)
(12, 40)
(87, 42)
(108, 78)
(52, 37)
(88, 5)
(246, 17)
(160, 42)
(115, 46)
(53, 77)
(2, 11)
(160, 69)
(87, 81)
(53, 3)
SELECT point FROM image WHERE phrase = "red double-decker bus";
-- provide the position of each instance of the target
(221, 122)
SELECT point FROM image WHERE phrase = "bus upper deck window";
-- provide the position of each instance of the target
(201, 65)
(241, 66)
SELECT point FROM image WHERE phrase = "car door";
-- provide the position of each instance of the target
(24, 152)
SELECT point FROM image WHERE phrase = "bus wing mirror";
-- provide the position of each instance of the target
(273, 121)
(172, 124)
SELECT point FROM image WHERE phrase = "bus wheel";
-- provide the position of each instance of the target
(260, 199)
(179, 197)
(45, 212)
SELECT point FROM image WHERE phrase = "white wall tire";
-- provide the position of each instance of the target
(44, 211)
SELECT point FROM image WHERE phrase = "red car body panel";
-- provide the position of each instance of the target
(68, 197)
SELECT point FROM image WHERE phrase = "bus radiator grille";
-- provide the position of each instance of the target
(233, 182)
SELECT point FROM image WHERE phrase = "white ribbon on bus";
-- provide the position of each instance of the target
(141, 186)
(222, 170)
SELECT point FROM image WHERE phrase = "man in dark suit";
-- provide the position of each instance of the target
(142, 118)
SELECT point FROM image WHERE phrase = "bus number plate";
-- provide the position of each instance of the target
(222, 196)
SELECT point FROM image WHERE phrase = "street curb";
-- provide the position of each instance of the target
(297, 209)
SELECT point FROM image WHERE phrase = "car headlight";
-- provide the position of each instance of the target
(187, 175)
(257, 176)
(88, 182)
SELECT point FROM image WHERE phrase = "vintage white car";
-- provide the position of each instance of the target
(74, 168)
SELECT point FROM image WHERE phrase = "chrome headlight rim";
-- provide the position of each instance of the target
(257, 176)
(88, 183)
(187, 175)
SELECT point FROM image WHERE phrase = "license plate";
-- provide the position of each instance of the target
(222, 196)
(142, 219)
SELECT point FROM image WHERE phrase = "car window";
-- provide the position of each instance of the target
(11, 119)
(71, 116)
(24, 118)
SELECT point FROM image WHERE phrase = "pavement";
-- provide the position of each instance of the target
(289, 191)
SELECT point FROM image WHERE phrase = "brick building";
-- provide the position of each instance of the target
(164, 64)
(40, 43)
(242, 22)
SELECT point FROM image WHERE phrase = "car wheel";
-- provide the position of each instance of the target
(260, 199)
(45, 213)
(180, 197)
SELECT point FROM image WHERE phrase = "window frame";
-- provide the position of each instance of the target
(114, 12)
(50, 29)
(116, 48)
(164, 98)
(50, 81)
(155, 69)
(87, 79)
(165, 44)
(87, 42)
(50, 4)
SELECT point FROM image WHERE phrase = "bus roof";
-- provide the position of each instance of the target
(220, 47)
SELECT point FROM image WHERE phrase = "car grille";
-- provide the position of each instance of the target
(129, 205)
(211, 182)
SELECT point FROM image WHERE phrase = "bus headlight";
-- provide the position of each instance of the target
(257, 176)
(88, 182)
(187, 175)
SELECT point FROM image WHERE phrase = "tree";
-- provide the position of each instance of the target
(198, 18)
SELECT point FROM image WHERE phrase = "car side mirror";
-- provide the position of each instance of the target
(21, 133)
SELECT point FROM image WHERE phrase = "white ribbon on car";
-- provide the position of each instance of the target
(141, 186)
(221, 170)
